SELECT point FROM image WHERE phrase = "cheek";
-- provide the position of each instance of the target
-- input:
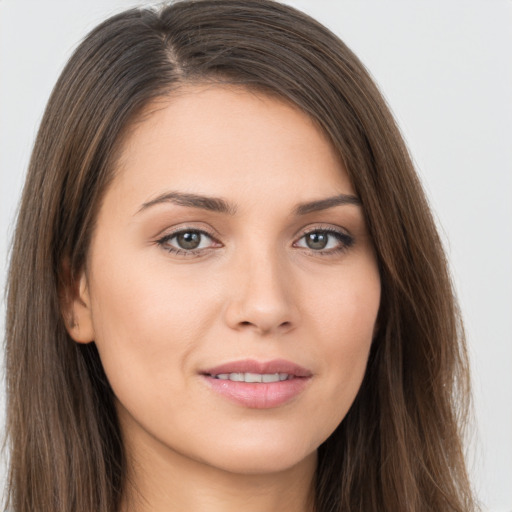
(345, 307)
(146, 322)
(144, 298)
(345, 316)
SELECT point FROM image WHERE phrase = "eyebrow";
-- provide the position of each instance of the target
(217, 204)
(324, 204)
(214, 204)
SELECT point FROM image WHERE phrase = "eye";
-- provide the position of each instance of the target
(325, 240)
(187, 241)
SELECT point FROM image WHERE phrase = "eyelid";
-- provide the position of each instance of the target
(330, 228)
(189, 225)
(163, 240)
(346, 240)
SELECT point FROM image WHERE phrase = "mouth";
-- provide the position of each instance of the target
(253, 377)
(258, 385)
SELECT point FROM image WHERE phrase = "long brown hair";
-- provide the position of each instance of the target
(399, 447)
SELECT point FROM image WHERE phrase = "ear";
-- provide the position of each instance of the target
(76, 308)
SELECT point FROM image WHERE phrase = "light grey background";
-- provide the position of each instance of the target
(445, 67)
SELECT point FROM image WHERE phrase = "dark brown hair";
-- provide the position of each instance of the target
(399, 447)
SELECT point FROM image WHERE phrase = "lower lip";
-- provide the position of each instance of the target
(264, 395)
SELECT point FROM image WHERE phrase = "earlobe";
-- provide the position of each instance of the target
(76, 309)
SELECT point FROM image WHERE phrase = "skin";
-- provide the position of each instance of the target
(254, 289)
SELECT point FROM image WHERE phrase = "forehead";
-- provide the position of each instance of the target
(217, 140)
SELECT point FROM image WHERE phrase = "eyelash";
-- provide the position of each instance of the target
(164, 242)
(346, 241)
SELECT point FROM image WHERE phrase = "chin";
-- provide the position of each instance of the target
(264, 463)
(262, 455)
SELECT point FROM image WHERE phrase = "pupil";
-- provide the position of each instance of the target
(317, 240)
(189, 240)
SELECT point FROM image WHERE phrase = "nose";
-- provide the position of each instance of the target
(261, 296)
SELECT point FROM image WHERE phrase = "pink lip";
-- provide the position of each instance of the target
(264, 395)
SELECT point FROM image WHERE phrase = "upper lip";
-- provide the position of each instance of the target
(261, 367)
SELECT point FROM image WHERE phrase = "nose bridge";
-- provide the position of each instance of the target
(261, 298)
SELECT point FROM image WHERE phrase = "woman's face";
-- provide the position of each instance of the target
(230, 249)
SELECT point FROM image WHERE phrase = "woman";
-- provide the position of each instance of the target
(226, 287)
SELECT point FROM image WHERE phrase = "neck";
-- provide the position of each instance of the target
(171, 482)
